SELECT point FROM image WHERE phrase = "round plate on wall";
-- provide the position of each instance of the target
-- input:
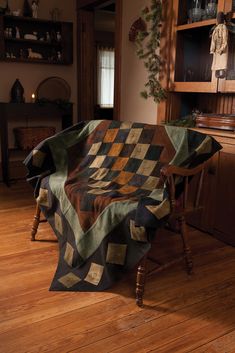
(53, 88)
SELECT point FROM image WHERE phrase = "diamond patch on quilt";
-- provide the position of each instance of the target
(68, 255)
(98, 161)
(138, 233)
(38, 158)
(69, 280)
(161, 210)
(42, 198)
(146, 167)
(100, 174)
(140, 151)
(58, 223)
(150, 183)
(116, 253)
(94, 149)
(134, 136)
(95, 273)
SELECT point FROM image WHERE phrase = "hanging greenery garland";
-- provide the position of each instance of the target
(148, 43)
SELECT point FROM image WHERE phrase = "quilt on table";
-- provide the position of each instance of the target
(99, 186)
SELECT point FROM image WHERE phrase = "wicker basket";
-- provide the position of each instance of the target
(29, 137)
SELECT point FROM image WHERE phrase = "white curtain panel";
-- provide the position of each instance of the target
(105, 77)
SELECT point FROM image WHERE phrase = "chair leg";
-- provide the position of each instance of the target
(140, 281)
(36, 222)
(186, 248)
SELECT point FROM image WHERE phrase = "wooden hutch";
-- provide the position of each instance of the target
(190, 84)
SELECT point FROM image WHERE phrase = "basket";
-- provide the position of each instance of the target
(29, 137)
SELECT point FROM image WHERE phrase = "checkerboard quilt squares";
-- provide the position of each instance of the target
(132, 165)
(161, 210)
(116, 253)
(123, 178)
(146, 167)
(98, 191)
(99, 184)
(42, 198)
(120, 163)
(104, 149)
(95, 273)
(115, 149)
(154, 152)
(126, 125)
(140, 151)
(58, 223)
(127, 189)
(38, 158)
(110, 135)
(98, 161)
(150, 183)
(69, 280)
(133, 136)
(94, 148)
(68, 255)
(146, 135)
(127, 150)
(100, 174)
(138, 233)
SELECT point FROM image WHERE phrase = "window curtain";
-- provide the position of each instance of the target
(105, 77)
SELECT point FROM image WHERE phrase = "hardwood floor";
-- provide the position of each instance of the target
(181, 314)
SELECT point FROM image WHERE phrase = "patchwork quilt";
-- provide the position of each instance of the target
(99, 186)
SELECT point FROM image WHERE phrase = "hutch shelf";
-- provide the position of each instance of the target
(191, 85)
(31, 40)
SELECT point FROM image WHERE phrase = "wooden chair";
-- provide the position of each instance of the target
(178, 214)
(36, 222)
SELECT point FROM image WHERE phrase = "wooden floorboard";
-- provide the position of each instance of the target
(181, 314)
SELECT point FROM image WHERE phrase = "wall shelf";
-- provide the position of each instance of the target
(53, 51)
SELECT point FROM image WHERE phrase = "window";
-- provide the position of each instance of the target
(105, 77)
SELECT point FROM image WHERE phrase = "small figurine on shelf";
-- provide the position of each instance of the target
(58, 36)
(59, 56)
(10, 33)
(34, 55)
(35, 8)
(17, 33)
(48, 38)
(219, 47)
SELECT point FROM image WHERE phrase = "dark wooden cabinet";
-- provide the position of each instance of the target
(218, 193)
(224, 216)
(191, 85)
(32, 40)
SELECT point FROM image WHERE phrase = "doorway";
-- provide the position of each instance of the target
(99, 59)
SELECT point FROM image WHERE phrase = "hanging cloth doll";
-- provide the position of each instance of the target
(219, 47)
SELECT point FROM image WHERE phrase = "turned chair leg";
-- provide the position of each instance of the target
(36, 222)
(140, 281)
(186, 248)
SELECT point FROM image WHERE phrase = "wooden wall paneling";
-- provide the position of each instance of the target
(165, 53)
(86, 57)
(173, 42)
(228, 5)
(118, 59)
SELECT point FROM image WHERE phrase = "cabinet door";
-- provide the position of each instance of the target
(224, 222)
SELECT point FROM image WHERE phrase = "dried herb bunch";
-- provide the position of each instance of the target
(148, 43)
